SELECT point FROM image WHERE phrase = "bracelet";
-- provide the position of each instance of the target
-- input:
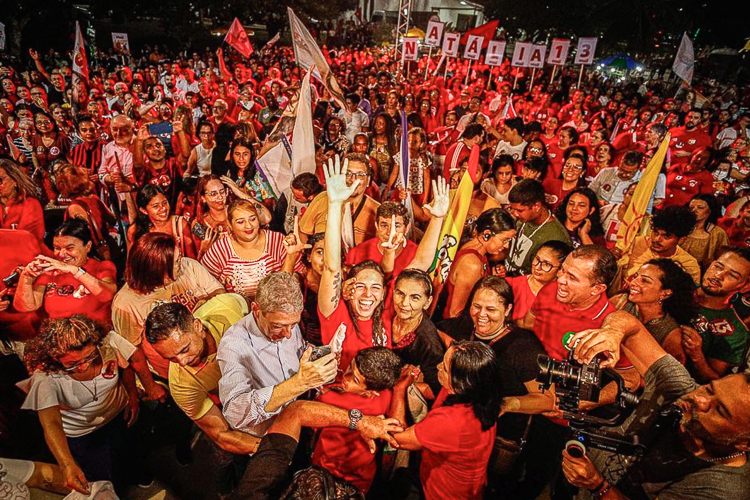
(598, 487)
(81, 271)
(603, 491)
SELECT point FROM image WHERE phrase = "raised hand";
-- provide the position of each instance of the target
(441, 199)
(292, 242)
(336, 186)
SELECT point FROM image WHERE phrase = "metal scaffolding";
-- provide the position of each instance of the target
(402, 27)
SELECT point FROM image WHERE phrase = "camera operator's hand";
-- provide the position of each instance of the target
(598, 341)
(581, 472)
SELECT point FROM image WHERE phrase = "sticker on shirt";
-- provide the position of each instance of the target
(691, 141)
(54, 151)
(551, 199)
(718, 327)
(607, 188)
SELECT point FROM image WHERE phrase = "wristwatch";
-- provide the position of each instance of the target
(354, 417)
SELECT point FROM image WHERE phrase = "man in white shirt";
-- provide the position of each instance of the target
(511, 140)
(355, 120)
(264, 361)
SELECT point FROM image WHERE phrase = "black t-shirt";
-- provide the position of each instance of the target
(425, 351)
(516, 354)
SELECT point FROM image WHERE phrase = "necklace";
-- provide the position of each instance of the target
(94, 393)
(728, 457)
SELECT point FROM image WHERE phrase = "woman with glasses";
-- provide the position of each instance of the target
(603, 155)
(49, 144)
(573, 171)
(199, 161)
(211, 219)
(72, 282)
(248, 252)
(491, 236)
(63, 122)
(83, 389)
(544, 266)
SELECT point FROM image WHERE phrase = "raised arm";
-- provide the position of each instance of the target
(329, 292)
(437, 210)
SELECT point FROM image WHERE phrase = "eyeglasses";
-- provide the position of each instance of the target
(214, 194)
(543, 265)
(535, 150)
(356, 175)
(571, 166)
(85, 362)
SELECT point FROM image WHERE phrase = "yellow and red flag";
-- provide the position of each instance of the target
(453, 225)
(635, 214)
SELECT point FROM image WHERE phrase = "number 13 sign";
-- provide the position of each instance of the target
(586, 49)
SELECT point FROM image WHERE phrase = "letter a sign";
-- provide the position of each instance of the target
(473, 47)
(410, 49)
(434, 33)
(450, 44)
(536, 59)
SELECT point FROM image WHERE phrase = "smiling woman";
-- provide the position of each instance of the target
(72, 282)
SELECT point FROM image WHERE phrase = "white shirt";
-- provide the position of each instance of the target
(251, 366)
(506, 148)
(354, 123)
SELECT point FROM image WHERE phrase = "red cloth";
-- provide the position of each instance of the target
(455, 452)
(354, 342)
(65, 296)
(369, 250)
(555, 192)
(18, 248)
(27, 215)
(342, 452)
(737, 236)
(237, 38)
(555, 154)
(487, 30)
(684, 140)
(682, 186)
(523, 297)
(456, 155)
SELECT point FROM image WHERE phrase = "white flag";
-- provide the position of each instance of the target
(303, 139)
(275, 167)
(308, 54)
(2, 36)
(684, 61)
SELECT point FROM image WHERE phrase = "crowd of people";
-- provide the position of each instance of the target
(154, 280)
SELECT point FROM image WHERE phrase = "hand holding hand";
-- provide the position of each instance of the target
(51, 265)
(372, 428)
(440, 200)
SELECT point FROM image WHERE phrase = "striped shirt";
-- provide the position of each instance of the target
(88, 156)
(251, 366)
(242, 276)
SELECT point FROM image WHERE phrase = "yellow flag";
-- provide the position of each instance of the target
(630, 224)
(453, 225)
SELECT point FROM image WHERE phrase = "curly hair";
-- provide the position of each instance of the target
(58, 337)
(681, 304)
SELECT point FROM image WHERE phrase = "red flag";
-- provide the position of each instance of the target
(486, 30)
(80, 65)
(225, 74)
(237, 38)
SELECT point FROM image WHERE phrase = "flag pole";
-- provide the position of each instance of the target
(427, 64)
(533, 74)
(445, 75)
(515, 80)
(580, 77)
(489, 79)
(468, 72)
(554, 70)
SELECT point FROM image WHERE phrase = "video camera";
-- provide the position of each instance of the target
(575, 382)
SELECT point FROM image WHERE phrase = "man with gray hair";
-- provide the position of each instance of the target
(263, 359)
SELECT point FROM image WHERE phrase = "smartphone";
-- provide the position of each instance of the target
(161, 130)
(199, 230)
(319, 352)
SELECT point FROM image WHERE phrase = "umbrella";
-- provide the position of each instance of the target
(622, 61)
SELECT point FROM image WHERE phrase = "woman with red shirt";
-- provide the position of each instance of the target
(684, 181)
(19, 204)
(457, 435)
(74, 284)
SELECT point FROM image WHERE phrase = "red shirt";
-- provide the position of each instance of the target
(455, 452)
(27, 214)
(737, 237)
(555, 194)
(354, 342)
(343, 452)
(684, 140)
(523, 297)
(682, 186)
(555, 154)
(368, 250)
(554, 319)
(65, 296)
(456, 155)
